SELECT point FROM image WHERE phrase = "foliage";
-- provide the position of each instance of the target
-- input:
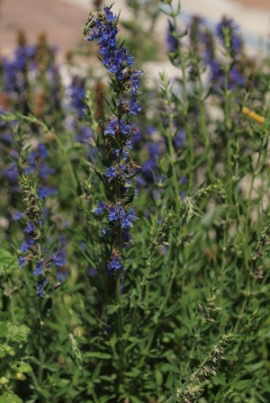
(134, 257)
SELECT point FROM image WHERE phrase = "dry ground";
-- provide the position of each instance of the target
(61, 21)
(264, 4)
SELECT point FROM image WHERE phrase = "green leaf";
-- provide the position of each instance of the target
(10, 398)
(99, 355)
(3, 329)
(6, 350)
(7, 262)
(159, 377)
(23, 367)
(17, 333)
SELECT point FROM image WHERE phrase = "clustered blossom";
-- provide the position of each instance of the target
(33, 251)
(172, 41)
(77, 95)
(117, 215)
(116, 137)
(14, 79)
(55, 87)
(103, 29)
(155, 146)
(227, 30)
(15, 73)
(78, 106)
(217, 76)
(228, 33)
(35, 162)
(117, 222)
(29, 172)
(149, 172)
(29, 64)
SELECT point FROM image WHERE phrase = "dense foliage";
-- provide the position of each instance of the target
(134, 254)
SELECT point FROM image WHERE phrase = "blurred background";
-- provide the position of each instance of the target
(63, 20)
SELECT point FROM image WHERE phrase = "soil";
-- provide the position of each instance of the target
(61, 21)
(258, 4)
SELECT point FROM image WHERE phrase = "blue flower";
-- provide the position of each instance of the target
(115, 264)
(6, 137)
(45, 191)
(179, 138)
(227, 24)
(84, 134)
(123, 218)
(117, 140)
(61, 275)
(134, 107)
(77, 95)
(171, 39)
(149, 166)
(11, 172)
(92, 272)
(35, 162)
(135, 80)
(183, 180)
(124, 128)
(22, 261)
(236, 78)
(116, 127)
(148, 171)
(110, 17)
(136, 136)
(59, 258)
(23, 54)
(45, 171)
(40, 287)
(30, 227)
(154, 150)
(111, 128)
(42, 151)
(110, 173)
(114, 57)
(127, 220)
(113, 214)
(217, 72)
(26, 245)
(38, 270)
(100, 208)
(17, 215)
(9, 76)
